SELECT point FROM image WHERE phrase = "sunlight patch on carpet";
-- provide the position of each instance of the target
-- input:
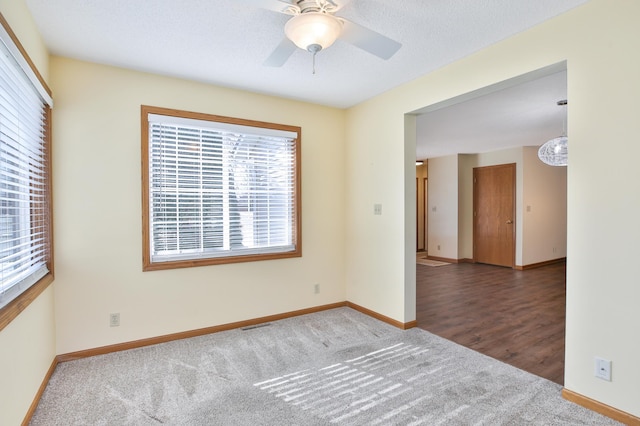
(347, 389)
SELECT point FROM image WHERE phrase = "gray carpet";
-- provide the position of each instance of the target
(334, 367)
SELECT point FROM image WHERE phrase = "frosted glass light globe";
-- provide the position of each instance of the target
(313, 28)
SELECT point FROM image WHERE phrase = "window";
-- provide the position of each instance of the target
(25, 208)
(218, 189)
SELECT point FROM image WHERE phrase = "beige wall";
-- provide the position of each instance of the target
(28, 350)
(541, 204)
(540, 232)
(443, 207)
(349, 164)
(599, 42)
(466, 163)
(24, 27)
(544, 209)
(28, 343)
(98, 213)
(377, 246)
(421, 175)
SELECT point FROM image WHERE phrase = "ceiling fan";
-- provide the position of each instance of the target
(314, 27)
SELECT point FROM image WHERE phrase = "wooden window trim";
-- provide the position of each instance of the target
(13, 36)
(20, 303)
(147, 264)
(11, 311)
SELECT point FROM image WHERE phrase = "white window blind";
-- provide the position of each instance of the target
(23, 175)
(218, 189)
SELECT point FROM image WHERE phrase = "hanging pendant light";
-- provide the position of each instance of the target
(554, 152)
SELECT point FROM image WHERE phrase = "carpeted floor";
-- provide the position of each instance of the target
(333, 367)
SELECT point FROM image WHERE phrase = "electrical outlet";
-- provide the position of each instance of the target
(114, 320)
(602, 369)
(316, 288)
(438, 246)
(377, 209)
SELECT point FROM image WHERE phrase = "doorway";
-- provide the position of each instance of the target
(443, 304)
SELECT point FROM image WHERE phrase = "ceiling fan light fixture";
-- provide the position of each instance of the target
(313, 31)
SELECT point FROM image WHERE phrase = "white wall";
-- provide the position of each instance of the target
(98, 221)
(443, 207)
(28, 343)
(599, 42)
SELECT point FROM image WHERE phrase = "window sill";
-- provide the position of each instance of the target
(157, 266)
(20, 303)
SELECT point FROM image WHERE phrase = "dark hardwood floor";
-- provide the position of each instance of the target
(517, 317)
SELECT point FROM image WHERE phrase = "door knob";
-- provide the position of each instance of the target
(509, 222)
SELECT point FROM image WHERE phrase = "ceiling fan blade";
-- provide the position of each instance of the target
(280, 55)
(369, 40)
(281, 6)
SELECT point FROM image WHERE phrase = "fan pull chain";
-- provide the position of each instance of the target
(314, 48)
(313, 63)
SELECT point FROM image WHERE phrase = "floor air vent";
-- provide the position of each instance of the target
(251, 327)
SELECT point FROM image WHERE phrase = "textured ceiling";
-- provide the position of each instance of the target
(225, 42)
(524, 114)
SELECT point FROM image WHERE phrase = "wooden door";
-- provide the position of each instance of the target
(494, 190)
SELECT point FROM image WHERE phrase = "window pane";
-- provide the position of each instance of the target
(24, 183)
(220, 190)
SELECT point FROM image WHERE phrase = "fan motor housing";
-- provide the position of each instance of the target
(315, 6)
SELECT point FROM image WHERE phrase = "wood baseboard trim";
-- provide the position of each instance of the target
(443, 259)
(102, 350)
(410, 324)
(36, 398)
(192, 333)
(601, 408)
(540, 264)
(383, 318)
